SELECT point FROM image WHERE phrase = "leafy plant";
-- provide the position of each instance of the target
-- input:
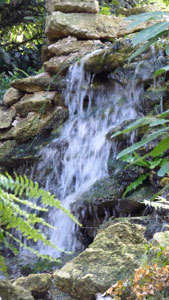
(156, 157)
(152, 33)
(13, 203)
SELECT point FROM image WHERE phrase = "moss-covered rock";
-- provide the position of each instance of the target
(34, 123)
(6, 148)
(107, 60)
(114, 254)
(10, 292)
(37, 284)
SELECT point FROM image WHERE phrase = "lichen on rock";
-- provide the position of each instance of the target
(113, 255)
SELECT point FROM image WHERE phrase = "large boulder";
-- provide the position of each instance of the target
(84, 26)
(114, 254)
(10, 292)
(67, 6)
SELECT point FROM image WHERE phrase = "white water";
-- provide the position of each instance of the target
(78, 158)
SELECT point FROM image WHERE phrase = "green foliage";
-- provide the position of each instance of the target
(13, 214)
(135, 184)
(151, 34)
(6, 79)
(155, 159)
(22, 33)
(21, 22)
(105, 10)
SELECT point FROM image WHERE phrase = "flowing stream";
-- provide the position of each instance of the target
(78, 158)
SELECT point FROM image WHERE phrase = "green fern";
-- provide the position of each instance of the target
(135, 184)
(13, 214)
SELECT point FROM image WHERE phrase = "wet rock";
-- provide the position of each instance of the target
(12, 96)
(6, 117)
(67, 6)
(37, 102)
(70, 45)
(161, 238)
(37, 83)
(154, 100)
(10, 292)
(141, 71)
(105, 200)
(37, 284)
(6, 148)
(60, 63)
(107, 60)
(114, 254)
(83, 26)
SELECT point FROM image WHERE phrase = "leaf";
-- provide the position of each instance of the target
(143, 48)
(144, 141)
(167, 50)
(159, 122)
(134, 125)
(141, 18)
(135, 183)
(150, 32)
(160, 148)
(161, 71)
(164, 169)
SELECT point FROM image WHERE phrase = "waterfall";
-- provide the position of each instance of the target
(74, 161)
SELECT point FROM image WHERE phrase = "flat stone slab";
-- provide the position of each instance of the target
(37, 83)
(67, 6)
(38, 102)
(84, 26)
(70, 45)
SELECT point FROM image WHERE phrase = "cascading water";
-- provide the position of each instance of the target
(78, 158)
